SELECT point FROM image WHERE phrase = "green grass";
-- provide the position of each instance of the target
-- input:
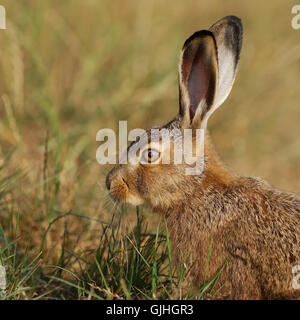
(135, 266)
(69, 68)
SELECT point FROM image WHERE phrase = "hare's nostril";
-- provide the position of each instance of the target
(125, 182)
(108, 182)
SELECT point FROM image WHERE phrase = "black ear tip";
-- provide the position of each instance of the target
(237, 25)
(229, 32)
(235, 34)
(230, 23)
(197, 35)
(234, 20)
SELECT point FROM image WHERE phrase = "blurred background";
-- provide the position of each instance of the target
(69, 68)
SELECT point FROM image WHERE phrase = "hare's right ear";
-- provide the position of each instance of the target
(207, 70)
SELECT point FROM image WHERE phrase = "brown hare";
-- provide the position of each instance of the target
(252, 226)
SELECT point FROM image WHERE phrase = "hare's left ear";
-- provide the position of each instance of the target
(207, 70)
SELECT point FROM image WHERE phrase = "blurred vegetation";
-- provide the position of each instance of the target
(69, 68)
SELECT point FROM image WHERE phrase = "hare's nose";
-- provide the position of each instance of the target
(115, 175)
(108, 181)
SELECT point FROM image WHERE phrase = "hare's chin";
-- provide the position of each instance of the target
(134, 200)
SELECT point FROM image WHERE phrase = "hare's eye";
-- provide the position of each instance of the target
(150, 155)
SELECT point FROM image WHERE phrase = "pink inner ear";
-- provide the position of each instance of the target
(198, 81)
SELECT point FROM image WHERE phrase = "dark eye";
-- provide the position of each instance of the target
(150, 155)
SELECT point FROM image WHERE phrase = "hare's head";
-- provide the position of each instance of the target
(156, 171)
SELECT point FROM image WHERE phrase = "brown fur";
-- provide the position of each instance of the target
(255, 226)
(252, 226)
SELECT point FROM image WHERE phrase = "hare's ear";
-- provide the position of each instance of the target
(215, 72)
(198, 74)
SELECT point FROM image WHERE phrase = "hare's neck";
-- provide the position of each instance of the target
(215, 168)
